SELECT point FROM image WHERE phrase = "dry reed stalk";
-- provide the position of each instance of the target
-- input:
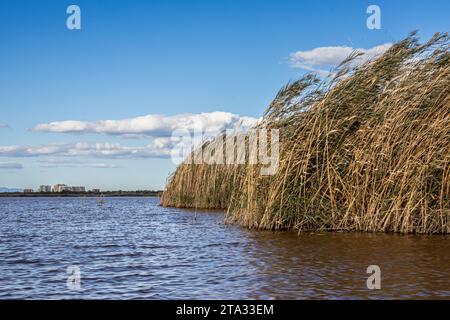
(366, 151)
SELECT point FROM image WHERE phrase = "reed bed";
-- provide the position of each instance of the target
(202, 186)
(365, 150)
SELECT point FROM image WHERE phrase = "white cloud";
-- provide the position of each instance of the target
(159, 149)
(167, 134)
(100, 165)
(10, 165)
(73, 163)
(152, 125)
(2, 126)
(322, 57)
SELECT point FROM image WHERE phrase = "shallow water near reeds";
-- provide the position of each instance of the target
(131, 248)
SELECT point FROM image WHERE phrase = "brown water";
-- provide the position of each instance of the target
(131, 248)
(334, 265)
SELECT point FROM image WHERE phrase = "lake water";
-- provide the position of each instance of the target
(131, 248)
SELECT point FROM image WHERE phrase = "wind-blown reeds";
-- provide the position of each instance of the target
(368, 150)
(202, 186)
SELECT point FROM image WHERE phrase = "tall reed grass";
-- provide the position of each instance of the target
(365, 150)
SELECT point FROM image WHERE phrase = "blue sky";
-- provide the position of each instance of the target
(136, 58)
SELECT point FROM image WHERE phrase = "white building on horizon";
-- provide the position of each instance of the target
(45, 188)
(58, 187)
(62, 187)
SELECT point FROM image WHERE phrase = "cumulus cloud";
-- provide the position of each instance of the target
(161, 149)
(153, 125)
(329, 57)
(168, 135)
(10, 165)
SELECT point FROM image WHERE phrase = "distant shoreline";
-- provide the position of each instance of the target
(82, 194)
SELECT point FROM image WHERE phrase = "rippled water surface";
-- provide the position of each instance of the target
(130, 248)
